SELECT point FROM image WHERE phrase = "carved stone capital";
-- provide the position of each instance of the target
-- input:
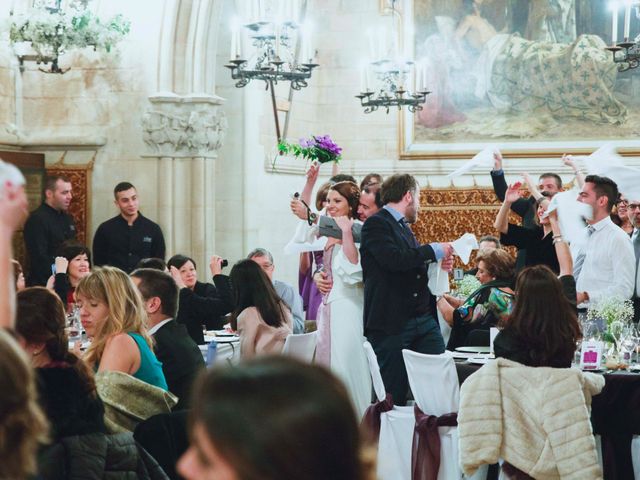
(184, 126)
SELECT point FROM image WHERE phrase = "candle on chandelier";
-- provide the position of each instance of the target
(363, 78)
(627, 21)
(614, 24)
(234, 39)
(277, 40)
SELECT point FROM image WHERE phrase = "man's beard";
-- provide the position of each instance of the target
(411, 214)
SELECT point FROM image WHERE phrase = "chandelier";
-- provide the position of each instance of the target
(392, 74)
(277, 40)
(47, 31)
(626, 54)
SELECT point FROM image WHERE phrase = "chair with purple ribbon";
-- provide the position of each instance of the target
(434, 383)
(393, 426)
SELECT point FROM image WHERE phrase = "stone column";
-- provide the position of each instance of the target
(184, 133)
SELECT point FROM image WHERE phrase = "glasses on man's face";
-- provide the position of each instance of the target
(634, 206)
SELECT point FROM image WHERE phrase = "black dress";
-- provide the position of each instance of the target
(539, 247)
(206, 305)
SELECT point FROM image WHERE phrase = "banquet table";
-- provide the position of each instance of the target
(615, 416)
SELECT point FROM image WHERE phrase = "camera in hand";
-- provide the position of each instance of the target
(224, 263)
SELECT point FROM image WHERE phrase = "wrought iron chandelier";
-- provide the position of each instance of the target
(392, 73)
(278, 40)
(626, 54)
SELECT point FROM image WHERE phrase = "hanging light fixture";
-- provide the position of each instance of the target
(277, 40)
(392, 73)
(626, 54)
(48, 30)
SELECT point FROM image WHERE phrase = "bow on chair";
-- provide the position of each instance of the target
(371, 418)
(425, 452)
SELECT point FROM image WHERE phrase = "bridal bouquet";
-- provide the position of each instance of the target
(319, 149)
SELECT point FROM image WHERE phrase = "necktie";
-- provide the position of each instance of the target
(408, 234)
(577, 265)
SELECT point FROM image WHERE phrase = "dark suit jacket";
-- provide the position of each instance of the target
(181, 360)
(395, 275)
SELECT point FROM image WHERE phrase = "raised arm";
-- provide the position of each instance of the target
(312, 178)
(562, 248)
(348, 245)
(571, 163)
(535, 193)
(502, 219)
(13, 211)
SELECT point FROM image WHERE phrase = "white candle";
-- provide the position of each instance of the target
(418, 75)
(277, 40)
(423, 87)
(234, 37)
(363, 79)
(627, 21)
(238, 43)
(372, 44)
(614, 24)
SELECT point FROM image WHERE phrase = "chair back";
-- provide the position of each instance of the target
(434, 382)
(301, 346)
(374, 368)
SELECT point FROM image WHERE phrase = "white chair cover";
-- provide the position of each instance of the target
(434, 383)
(374, 368)
(301, 346)
(396, 430)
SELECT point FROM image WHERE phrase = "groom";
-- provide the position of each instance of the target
(399, 310)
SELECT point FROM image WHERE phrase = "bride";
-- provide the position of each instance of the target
(340, 325)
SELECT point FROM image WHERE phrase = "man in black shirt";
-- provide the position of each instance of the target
(129, 237)
(47, 227)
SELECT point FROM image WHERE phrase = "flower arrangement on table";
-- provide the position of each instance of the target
(613, 315)
(318, 148)
(467, 286)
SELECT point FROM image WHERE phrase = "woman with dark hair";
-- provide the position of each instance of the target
(23, 428)
(487, 307)
(261, 318)
(200, 304)
(67, 391)
(543, 328)
(537, 241)
(321, 427)
(620, 214)
(72, 264)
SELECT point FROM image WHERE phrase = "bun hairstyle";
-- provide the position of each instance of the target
(40, 318)
(350, 191)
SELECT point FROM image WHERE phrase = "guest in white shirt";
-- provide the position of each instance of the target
(633, 210)
(605, 263)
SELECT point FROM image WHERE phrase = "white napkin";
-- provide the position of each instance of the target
(571, 215)
(438, 278)
(464, 246)
(606, 162)
(482, 159)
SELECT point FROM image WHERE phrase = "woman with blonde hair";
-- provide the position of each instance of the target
(23, 426)
(113, 315)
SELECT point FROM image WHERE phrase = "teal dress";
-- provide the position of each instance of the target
(150, 370)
